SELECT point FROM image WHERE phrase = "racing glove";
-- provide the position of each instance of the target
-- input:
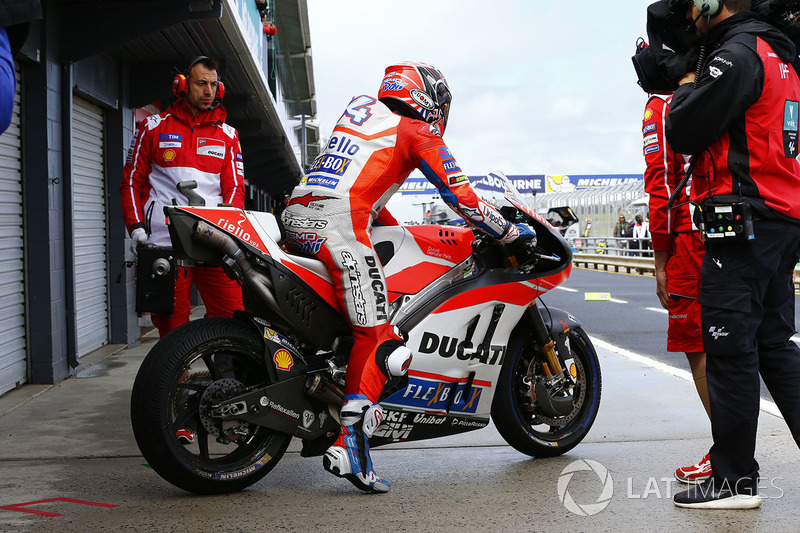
(138, 236)
(525, 243)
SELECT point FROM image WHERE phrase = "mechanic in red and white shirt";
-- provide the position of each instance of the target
(375, 145)
(188, 141)
(678, 253)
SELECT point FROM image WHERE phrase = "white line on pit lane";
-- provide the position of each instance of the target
(657, 309)
(567, 289)
(766, 405)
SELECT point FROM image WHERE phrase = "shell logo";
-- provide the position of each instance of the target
(169, 155)
(283, 360)
(573, 370)
(648, 114)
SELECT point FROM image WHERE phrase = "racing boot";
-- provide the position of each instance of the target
(349, 456)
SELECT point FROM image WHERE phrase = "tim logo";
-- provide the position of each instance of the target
(716, 332)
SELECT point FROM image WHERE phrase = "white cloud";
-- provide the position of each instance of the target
(537, 87)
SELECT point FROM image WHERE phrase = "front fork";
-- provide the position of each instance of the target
(550, 393)
(551, 366)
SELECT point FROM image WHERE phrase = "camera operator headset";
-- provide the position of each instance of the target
(708, 8)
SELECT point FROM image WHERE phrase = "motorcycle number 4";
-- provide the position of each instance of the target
(359, 109)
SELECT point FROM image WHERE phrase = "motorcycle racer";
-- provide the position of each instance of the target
(374, 147)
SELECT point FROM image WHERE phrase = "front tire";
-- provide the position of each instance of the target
(188, 370)
(520, 418)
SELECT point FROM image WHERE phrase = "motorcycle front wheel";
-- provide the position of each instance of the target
(520, 417)
(188, 371)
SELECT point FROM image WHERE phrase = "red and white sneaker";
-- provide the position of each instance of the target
(696, 473)
(185, 436)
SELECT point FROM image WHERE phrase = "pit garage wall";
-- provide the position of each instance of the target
(69, 289)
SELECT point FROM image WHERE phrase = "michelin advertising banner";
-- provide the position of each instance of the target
(528, 184)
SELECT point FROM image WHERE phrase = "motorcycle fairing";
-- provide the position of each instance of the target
(521, 293)
(234, 221)
(403, 426)
(312, 316)
(412, 257)
(471, 287)
(438, 394)
(442, 342)
(306, 297)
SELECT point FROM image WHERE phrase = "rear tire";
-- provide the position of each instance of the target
(521, 420)
(196, 364)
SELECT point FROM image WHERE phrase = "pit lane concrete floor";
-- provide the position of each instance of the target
(74, 441)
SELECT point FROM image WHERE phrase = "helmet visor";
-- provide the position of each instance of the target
(443, 99)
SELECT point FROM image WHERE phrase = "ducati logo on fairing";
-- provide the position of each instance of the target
(463, 350)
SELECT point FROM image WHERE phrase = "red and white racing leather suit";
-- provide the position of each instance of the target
(370, 153)
(168, 148)
(672, 230)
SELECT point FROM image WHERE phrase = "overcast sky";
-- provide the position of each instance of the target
(538, 87)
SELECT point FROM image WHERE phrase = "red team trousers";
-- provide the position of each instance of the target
(221, 296)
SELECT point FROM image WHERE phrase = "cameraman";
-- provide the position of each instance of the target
(739, 117)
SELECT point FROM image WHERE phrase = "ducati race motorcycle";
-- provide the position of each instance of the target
(483, 348)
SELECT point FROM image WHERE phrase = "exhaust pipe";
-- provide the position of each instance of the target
(259, 283)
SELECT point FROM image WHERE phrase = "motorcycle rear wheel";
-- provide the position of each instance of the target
(191, 368)
(522, 422)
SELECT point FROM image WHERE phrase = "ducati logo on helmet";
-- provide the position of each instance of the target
(422, 98)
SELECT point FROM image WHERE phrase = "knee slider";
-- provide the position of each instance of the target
(393, 358)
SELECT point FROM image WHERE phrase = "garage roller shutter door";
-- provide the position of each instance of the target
(89, 217)
(13, 357)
